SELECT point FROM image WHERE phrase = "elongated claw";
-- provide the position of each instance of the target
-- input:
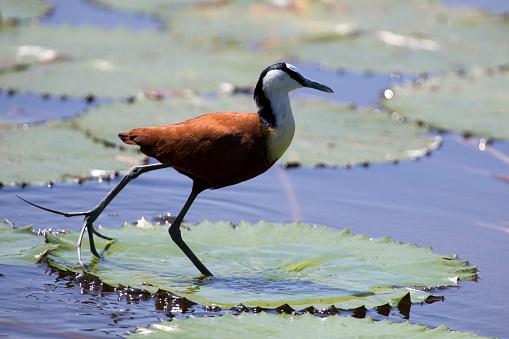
(101, 235)
(65, 214)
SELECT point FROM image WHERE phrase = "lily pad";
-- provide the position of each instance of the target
(263, 325)
(474, 104)
(26, 9)
(412, 36)
(54, 152)
(267, 265)
(326, 133)
(432, 39)
(108, 63)
(19, 246)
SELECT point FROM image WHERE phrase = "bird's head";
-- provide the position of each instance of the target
(284, 77)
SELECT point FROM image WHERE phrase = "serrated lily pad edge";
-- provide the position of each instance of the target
(405, 295)
(402, 302)
(103, 176)
(43, 248)
(437, 128)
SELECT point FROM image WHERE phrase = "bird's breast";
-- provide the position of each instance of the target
(278, 139)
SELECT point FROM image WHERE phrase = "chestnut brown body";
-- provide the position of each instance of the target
(214, 150)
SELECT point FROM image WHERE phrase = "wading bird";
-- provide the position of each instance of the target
(214, 150)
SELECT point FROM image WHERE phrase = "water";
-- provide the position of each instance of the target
(81, 12)
(26, 108)
(451, 201)
(494, 6)
(372, 84)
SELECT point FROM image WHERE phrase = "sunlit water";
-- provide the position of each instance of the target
(451, 201)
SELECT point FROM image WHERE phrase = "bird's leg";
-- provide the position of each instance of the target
(176, 236)
(93, 214)
(78, 244)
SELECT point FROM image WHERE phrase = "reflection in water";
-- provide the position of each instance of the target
(443, 201)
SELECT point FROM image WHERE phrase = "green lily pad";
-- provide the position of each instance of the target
(434, 39)
(263, 325)
(119, 62)
(326, 133)
(25, 9)
(474, 104)
(54, 152)
(412, 36)
(19, 246)
(267, 265)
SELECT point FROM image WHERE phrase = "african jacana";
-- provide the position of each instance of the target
(214, 150)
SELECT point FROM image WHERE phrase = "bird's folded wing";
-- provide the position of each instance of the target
(211, 146)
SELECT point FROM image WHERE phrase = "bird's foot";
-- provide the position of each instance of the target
(90, 217)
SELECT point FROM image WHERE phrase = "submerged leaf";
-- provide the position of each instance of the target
(107, 63)
(54, 152)
(474, 104)
(267, 265)
(19, 246)
(263, 325)
(326, 133)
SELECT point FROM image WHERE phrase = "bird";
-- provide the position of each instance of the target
(214, 150)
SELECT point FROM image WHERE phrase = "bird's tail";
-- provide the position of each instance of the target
(129, 137)
(146, 138)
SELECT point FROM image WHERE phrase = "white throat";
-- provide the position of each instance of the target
(276, 91)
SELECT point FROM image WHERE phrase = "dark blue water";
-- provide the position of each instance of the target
(81, 12)
(495, 6)
(347, 84)
(26, 108)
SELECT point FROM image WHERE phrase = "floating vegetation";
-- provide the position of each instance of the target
(29, 108)
(12, 11)
(412, 36)
(264, 325)
(55, 152)
(267, 265)
(473, 103)
(327, 134)
(19, 246)
(428, 37)
(107, 64)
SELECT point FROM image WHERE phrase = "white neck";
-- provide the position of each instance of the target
(282, 135)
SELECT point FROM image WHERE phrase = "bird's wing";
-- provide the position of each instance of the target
(211, 146)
